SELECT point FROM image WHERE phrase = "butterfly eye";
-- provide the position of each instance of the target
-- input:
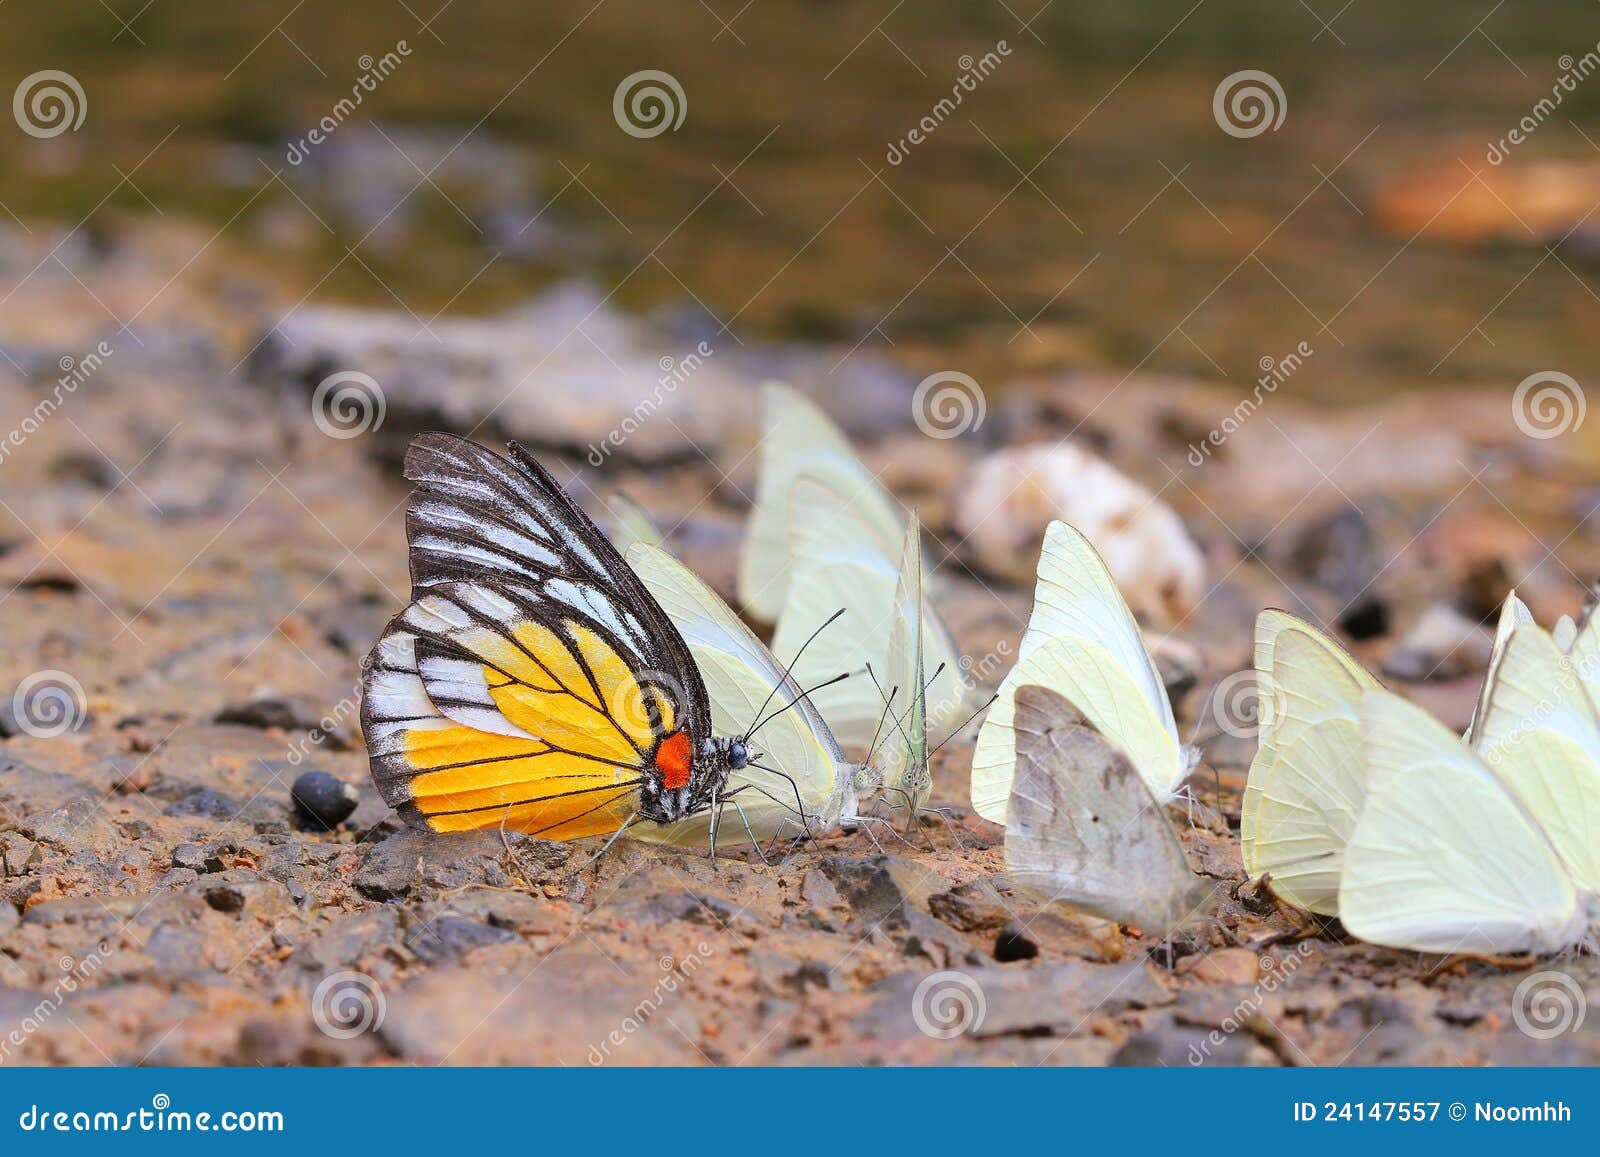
(738, 754)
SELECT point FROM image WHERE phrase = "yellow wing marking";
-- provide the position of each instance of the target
(469, 779)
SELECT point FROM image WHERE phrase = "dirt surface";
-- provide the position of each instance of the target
(197, 565)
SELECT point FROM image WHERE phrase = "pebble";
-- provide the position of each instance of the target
(323, 799)
(1002, 508)
(1442, 644)
(1013, 943)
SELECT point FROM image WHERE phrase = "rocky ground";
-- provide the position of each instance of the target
(195, 554)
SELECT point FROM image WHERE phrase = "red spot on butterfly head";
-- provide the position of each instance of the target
(675, 757)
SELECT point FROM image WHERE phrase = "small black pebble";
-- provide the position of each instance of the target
(1014, 944)
(324, 800)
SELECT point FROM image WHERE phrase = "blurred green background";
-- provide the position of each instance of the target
(1084, 188)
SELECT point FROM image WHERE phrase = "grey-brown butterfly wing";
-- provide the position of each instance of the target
(1083, 829)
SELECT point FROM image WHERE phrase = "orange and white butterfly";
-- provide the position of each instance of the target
(536, 683)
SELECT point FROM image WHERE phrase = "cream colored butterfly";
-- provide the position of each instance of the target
(1581, 642)
(921, 701)
(838, 564)
(1448, 855)
(630, 524)
(1308, 779)
(1082, 642)
(799, 441)
(1084, 829)
(1307, 785)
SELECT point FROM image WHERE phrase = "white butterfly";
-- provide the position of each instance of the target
(797, 765)
(1083, 828)
(837, 564)
(1083, 643)
(1448, 856)
(799, 441)
(630, 524)
(1308, 779)
(920, 700)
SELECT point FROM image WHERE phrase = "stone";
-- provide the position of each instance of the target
(1341, 554)
(1442, 644)
(199, 857)
(1002, 507)
(1175, 1046)
(1013, 943)
(77, 826)
(323, 800)
(1059, 999)
(564, 371)
(889, 894)
(410, 860)
(1222, 966)
(447, 937)
(555, 1014)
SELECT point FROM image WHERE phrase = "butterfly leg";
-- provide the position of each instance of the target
(745, 820)
(615, 836)
(716, 819)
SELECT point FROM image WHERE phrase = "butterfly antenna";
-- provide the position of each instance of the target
(957, 731)
(897, 725)
(806, 694)
(790, 668)
(888, 701)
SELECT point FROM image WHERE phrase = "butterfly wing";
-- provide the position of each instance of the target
(630, 524)
(838, 565)
(1583, 646)
(548, 676)
(1513, 612)
(742, 676)
(798, 440)
(1443, 858)
(1082, 827)
(1308, 779)
(1076, 597)
(1540, 734)
(1095, 682)
(444, 775)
